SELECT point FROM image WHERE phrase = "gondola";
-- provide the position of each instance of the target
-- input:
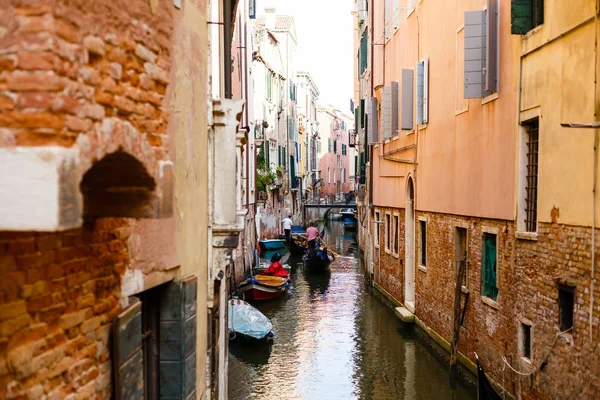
(318, 260)
(296, 247)
(485, 389)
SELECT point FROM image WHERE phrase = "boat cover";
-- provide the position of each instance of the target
(267, 280)
(247, 320)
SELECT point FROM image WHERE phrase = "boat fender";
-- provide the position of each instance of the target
(232, 335)
(270, 334)
(252, 280)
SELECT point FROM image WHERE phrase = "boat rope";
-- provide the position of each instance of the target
(543, 361)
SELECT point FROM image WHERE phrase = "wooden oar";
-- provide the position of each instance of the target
(324, 244)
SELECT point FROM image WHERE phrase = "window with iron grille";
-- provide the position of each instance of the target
(531, 178)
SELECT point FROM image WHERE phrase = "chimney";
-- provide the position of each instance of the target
(270, 17)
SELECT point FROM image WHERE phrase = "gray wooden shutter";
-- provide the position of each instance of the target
(426, 90)
(128, 360)
(491, 45)
(386, 113)
(474, 54)
(420, 87)
(373, 121)
(178, 340)
(393, 108)
(521, 16)
(407, 99)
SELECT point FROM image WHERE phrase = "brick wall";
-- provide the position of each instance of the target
(58, 295)
(573, 366)
(489, 330)
(66, 67)
(91, 75)
(389, 270)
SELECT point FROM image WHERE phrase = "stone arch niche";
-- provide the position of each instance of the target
(122, 177)
(118, 185)
(110, 172)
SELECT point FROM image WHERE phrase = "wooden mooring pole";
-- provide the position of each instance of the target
(458, 317)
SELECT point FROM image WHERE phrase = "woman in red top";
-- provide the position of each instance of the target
(276, 269)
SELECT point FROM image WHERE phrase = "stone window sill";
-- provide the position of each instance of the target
(464, 289)
(395, 255)
(526, 235)
(422, 268)
(490, 302)
(409, 132)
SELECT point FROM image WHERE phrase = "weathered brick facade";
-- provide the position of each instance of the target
(69, 67)
(58, 295)
(91, 76)
(561, 253)
(528, 273)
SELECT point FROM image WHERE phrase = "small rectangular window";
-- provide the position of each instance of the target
(396, 234)
(489, 255)
(376, 228)
(526, 340)
(387, 232)
(566, 305)
(423, 246)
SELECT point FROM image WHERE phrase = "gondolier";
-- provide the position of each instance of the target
(287, 227)
(312, 234)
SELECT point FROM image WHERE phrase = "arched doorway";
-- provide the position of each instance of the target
(409, 253)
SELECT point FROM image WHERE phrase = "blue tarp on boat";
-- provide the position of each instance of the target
(247, 320)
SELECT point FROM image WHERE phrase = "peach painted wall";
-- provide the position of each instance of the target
(466, 154)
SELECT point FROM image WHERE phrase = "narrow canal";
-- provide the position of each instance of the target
(335, 339)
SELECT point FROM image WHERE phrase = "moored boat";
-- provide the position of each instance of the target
(350, 224)
(264, 287)
(271, 244)
(246, 322)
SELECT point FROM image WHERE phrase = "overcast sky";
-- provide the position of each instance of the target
(325, 32)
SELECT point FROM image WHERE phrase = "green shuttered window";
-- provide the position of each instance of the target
(489, 285)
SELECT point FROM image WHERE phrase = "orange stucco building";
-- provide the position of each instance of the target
(449, 100)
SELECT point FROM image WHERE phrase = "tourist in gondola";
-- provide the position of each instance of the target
(276, 269)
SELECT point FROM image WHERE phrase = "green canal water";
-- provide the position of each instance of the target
(336, 339)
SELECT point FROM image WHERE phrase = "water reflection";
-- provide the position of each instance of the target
(336, 340)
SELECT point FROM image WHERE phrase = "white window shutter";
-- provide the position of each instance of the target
(426, 90)
(420, 82)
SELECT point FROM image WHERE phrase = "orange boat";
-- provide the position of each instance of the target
(264, 287)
